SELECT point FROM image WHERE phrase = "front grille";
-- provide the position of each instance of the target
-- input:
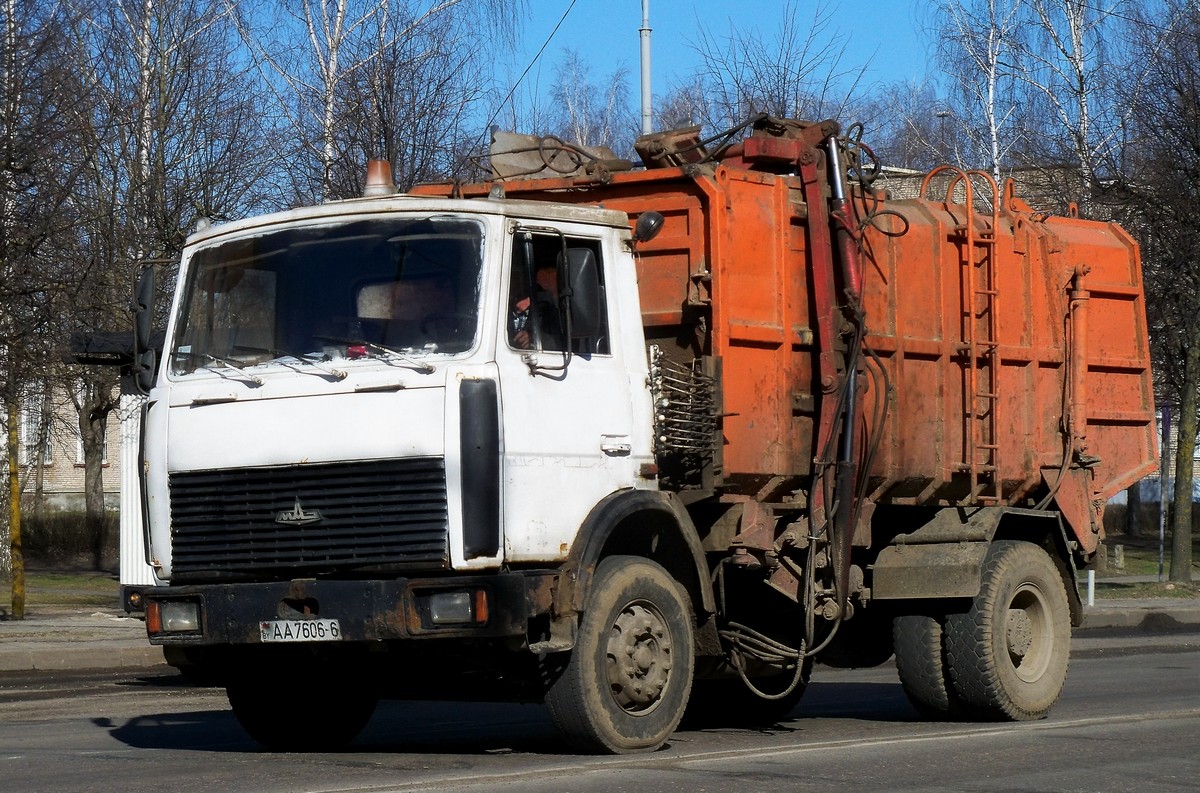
(389, 513)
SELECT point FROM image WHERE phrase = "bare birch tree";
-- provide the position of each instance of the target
(915, 127)
(1071, 68)
(799, 72)
(412, 102)
(35, 90)
(593, 113)
(979, 49)
(173, 133)
(685, 105)
(312, 51)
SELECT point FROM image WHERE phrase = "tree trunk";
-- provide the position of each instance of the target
(39, 467)
(14, 513)
(1133, 510)
(93, 424)
(1185, 447)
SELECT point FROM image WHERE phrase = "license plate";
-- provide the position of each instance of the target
(300, 631)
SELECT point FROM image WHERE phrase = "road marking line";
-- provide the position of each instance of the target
(585, 765)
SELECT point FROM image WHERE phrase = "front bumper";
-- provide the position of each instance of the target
(515, 604)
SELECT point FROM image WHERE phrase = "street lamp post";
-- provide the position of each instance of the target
(943, 154)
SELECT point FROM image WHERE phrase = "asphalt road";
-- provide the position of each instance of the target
(1129, 719)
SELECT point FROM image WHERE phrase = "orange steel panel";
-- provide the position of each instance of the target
(914, 292)
(756, 301)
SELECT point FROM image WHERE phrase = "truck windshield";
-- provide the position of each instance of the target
(364, 289)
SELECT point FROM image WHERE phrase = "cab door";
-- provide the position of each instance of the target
(567, 410)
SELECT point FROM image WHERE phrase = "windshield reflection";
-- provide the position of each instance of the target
(401, 287)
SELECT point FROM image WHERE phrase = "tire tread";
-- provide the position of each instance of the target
(569, 700)
(920, 661)
(974, 671)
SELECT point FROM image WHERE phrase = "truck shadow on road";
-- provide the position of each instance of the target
(870, 701)
(396, 728)
(211, 730)
(440, 728)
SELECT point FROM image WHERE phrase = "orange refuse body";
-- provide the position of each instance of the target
(1010, 346)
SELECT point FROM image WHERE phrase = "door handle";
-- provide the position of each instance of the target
(616, 445)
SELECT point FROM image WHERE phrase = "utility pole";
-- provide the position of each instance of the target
(647, 124)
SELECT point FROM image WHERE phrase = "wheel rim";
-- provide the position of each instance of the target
(1029, 633)
(639, 657)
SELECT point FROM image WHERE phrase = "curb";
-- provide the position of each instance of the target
(96, 655)
(1158, 614)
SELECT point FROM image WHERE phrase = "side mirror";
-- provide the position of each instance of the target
(144, 358)
(647, 226)
(586, 309)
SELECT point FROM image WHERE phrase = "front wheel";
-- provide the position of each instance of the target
(627, 682)
(286, 714)
(1008, 654)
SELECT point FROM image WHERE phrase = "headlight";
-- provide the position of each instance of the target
(173, 616)
(459, 607)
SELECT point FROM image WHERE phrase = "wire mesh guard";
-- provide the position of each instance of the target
(685, 418)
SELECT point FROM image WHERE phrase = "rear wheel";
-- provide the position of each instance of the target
(626, 684)
(1008, 655)
(290, 715)
(921, 663)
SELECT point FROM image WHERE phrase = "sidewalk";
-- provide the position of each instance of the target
(66, 640)
(108, 639)
(1154, 614)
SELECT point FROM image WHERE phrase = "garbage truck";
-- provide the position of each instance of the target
(635, 442)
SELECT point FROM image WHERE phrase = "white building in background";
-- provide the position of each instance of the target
(50, 454)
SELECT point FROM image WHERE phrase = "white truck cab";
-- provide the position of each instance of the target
(362, 357)
(384, 420)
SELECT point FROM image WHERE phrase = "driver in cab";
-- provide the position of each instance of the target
(540, 311)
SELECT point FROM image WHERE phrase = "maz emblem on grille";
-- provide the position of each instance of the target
(298, 515)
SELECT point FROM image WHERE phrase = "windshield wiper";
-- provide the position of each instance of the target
(226, 364)
(279, 357)
(315, 361)
(390, 353)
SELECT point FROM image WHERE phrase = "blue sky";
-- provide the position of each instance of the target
(605, 33)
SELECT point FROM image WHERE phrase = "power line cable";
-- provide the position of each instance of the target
(1142, 22)
(517, 84)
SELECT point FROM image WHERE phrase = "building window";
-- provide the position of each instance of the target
(79, 448)
(35, 430)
